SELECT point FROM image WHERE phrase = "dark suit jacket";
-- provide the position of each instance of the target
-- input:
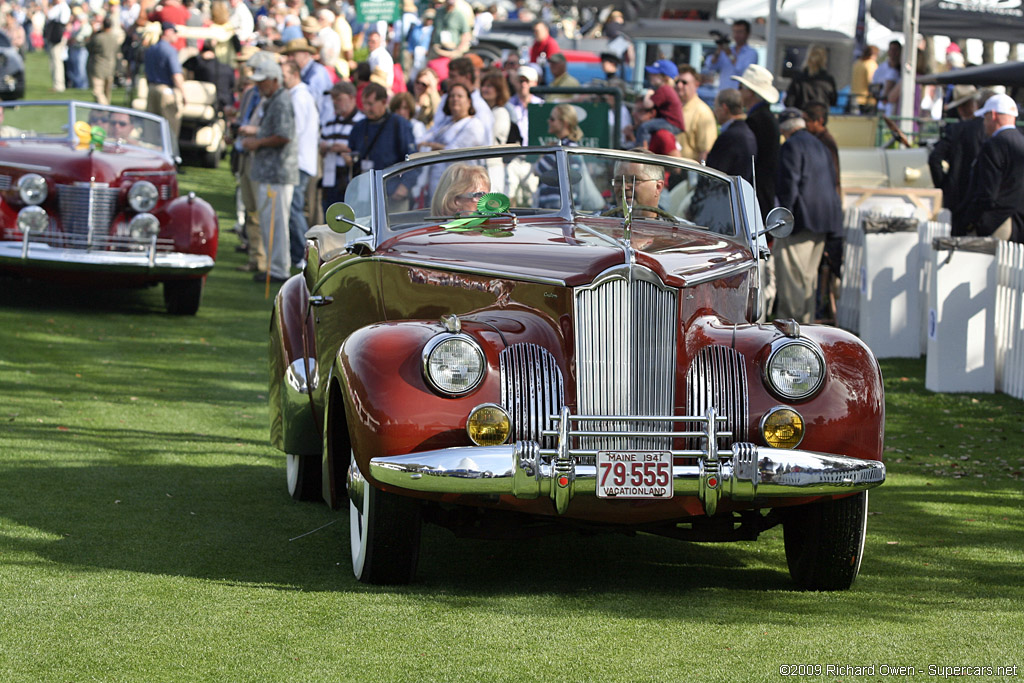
(765, 128)
(734, 151)
(806, 184)
(996, 189)
(958, 147)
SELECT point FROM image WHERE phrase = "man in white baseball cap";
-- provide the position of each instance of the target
(995, 199)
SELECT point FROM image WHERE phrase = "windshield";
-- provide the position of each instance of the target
(645, 186)
(93, 124)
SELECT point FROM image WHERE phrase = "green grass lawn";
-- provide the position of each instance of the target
(146, 534)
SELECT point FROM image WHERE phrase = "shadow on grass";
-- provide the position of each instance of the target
(236, 524)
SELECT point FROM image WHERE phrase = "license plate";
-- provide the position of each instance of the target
(634, 474)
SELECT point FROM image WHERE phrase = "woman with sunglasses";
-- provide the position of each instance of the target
(460, 189)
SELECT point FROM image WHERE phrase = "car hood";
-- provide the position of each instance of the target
(555, 249)
(66, 163)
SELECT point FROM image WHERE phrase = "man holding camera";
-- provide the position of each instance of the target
(731, 61)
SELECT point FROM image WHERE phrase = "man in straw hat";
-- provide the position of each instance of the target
(951, 158)
(995, 197)
(275, 163)
(758, 94)
(313, 74)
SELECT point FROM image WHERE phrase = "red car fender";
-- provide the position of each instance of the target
(846, 416)
(193, 226)
(389, 407)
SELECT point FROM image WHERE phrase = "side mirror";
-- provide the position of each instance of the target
(341, 218)
(779, 223)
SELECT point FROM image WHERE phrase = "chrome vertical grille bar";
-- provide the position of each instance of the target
(625, 355)
(85, 207)
(531, 391)
(717, 379)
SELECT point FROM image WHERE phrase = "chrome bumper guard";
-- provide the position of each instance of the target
(749, 472)
(147, 261)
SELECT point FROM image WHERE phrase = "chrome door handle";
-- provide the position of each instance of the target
(318, 300)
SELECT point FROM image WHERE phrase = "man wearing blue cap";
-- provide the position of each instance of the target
(663, 100)
(166, 83)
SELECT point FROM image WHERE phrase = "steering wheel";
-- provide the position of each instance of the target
(617, 211)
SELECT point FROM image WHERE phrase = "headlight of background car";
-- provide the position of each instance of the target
(142, 196)
(453, 364)
(795, 370)
(33, 219)
(143, 226)
(32, 188)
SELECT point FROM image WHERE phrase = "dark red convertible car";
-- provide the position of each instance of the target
(518, 341)
(89, 195)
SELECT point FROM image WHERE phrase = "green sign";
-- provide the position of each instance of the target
(378, 10)
(593, 118)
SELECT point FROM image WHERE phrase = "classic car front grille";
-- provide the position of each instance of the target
(86, 209)
(5, 182)
(625, 357)
(717, 379)
(531, 391)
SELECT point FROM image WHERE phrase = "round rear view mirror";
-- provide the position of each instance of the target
(339, 217)
(779, 222)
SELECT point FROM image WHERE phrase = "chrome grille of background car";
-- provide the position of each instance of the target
(531, 391)
(86, 209)
(717, 379)
(625, 357)
(5, 182)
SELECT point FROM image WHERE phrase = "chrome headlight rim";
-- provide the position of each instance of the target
(432, 345)
(30, 214)
(32, 189)
(143, 196)
(773, 355)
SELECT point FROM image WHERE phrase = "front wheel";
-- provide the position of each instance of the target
(825, 541)
(384, 532)
(182, 297)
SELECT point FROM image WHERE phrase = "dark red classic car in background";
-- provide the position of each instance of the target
(90, 196)
(566, 339)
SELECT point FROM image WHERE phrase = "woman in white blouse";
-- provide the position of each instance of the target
(462, 130)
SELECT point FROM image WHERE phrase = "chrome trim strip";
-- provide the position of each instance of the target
(28, 167)
(747, 473)
(469, 270)
(718, 273)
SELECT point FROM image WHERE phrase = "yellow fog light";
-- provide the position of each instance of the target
(488, 425)
(782, 428)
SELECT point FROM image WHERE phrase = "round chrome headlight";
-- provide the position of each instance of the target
(33, 219)
(142, 196)
(143, 226)
(453, 363)
(795, 369)
(32, 188)
(782, 427)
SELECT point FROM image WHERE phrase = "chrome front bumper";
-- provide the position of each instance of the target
(747, 473)
(146, 262)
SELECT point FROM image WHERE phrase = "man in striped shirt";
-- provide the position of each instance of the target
(334, 142)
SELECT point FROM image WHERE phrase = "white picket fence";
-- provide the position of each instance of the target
(854, 286)
(1007, 299)
(1009, 319)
